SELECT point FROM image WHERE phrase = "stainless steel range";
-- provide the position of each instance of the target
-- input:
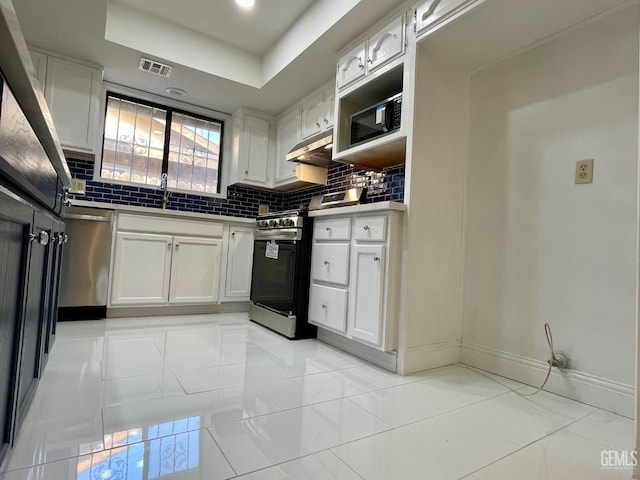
(281, 273)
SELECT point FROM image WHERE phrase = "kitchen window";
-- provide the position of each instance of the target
(142, 141)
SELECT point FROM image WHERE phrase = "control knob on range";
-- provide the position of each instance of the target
(281, 222)
(272, 223)
(289, 222)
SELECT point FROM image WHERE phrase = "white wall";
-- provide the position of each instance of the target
(539, 248)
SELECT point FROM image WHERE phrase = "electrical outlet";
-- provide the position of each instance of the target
(584, 171)
(78, 186)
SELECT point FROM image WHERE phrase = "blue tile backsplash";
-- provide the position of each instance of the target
(241, 201)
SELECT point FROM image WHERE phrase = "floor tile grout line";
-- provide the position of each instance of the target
(540, 439)
(345, 463)
(235, 472)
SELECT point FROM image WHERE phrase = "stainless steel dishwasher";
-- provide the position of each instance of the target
(85, 267)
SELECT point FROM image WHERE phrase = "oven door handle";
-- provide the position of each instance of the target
(279, 234)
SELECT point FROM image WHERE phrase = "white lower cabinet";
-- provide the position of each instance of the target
(141, 269)
(354, 271)
(195, 268)
(165, 261)
(239, 263)
(367, 269)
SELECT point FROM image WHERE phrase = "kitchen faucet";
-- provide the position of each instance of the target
(164, 184)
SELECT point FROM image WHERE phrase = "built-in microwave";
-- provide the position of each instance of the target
(375, 121)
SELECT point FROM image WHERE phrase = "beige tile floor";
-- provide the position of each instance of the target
(216, 397)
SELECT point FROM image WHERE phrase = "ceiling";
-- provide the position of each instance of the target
(255, 30)
(224, 57)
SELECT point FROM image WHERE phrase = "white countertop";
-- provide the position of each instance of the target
(160, 212)
(356, 209)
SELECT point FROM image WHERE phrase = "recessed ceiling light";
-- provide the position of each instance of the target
(246, 3)
(176, 92)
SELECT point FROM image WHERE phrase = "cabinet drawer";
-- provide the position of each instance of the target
(328, 307)
(332, 229)
(370, 229)
(330, 263)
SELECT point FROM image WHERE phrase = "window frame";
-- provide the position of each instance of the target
(170, 105)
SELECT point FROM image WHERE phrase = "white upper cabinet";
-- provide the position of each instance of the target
(252, 149)
(312, 116)
(377, 50)
(256, 149)
(432, 13)
(73, 94)
(386, 44)
(352, 66)
(288, 137)
(328, 107)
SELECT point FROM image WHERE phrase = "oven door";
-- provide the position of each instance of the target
(273, 279)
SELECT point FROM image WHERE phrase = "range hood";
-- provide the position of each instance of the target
(315, 150)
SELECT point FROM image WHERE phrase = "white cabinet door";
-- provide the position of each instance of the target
(328, 108)
(312, 116)
(72, 92)
(239, 262)
(141, 269)
(195, 270)
(255, 150)
(430, 13)
(386, 45)
(288, 137)
(39, 61)
(351, 67)
(367, 293)
(328, 307)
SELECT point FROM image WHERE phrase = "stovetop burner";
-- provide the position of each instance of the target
(280, 220)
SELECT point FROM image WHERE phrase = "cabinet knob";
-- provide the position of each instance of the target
(318, 124)
(376, 259)
(326, 121)
(233, 234)
(369, 60)
(361, 65)
(169, 245)
(65, 239)
(42, 237)
(326, 262)
(328, 229)
(246, 172)
(177, 246)
(366, 227)
(324, 307)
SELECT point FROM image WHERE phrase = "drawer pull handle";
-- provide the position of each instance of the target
(376, 259)
(324, 307)
(326, 262)
(366, 227)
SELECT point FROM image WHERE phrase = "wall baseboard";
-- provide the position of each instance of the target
(386, 360)
(120, 312)
(600, 392)
(427, 357)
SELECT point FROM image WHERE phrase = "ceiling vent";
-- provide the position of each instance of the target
(154, 67)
